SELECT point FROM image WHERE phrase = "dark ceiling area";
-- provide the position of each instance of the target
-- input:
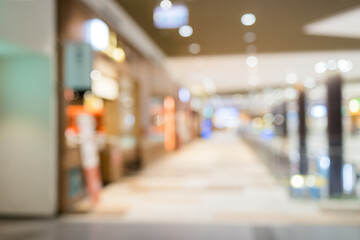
(218, 29)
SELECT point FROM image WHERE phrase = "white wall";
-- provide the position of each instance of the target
(30, 23)
(28, 158)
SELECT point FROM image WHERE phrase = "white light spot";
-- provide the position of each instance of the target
(252, 61)
(344, 65)
(320, 67)
(297, 181)
(291, 93)
(95, 75)
(97, 33)
(318, 111)
(165, 4)
(324, 162)
(354, 106)
(309, 83)
(348, 178)
(186, 31)
(291, 78)
(248, 19)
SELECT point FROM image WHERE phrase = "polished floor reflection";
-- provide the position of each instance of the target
(220, 180)
(211, 189)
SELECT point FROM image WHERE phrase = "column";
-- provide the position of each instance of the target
(334, 100)
(302, 133)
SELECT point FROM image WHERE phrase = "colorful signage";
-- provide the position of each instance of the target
(169, 124)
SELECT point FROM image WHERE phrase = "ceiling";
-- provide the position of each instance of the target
(218, 29)
(230, 73)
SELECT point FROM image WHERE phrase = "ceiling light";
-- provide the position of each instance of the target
(344, 65)
(250, 37)
(291, 78)
(186, 31)
(171, 18)
(331, 65)
(252, 61)
(320, 67)
(291, 93)
(194, 48)
(209, 86)
(309, 83)
(165, 4)
(248, 19)
(97, 34)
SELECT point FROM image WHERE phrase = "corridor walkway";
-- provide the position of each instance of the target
(220, 180)
(212, 189)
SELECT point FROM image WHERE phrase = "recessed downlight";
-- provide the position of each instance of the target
(194, 48)
(252, 61)
(165, 4)
(186, 31)
(248, 19)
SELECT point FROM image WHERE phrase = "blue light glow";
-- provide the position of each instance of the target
(226, 117)
(206, 128)
(171, 18)
(184, 95)
(348, 178)
(318, 111)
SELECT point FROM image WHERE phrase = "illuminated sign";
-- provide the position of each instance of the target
(78, 64)
(171, 18)
(169, 124)
(104, 87)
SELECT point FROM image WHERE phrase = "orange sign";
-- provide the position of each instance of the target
(169, 124)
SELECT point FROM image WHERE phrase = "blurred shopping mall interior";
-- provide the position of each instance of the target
(179, 119)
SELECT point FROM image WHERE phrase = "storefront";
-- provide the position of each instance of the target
(121, 93)
(99, 106)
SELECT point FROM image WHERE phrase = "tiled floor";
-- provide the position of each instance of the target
(214, 189)
(220, 180)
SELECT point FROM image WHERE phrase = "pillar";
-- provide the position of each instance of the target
(335, 141)
(302, 133)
